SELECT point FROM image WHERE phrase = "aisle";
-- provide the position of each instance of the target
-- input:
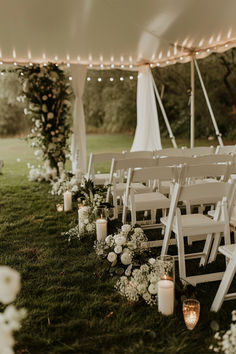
(70, 296)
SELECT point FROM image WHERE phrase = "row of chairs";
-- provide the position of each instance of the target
(97, 158)
(143, 192)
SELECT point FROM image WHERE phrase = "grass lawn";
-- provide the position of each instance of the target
(70, 297)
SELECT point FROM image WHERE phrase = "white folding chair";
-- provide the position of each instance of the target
(196, 224)
(169, 152)
(120, 167)
(1, 165)
(199, 151)
(101, 178)
(227, 149)
(229, 251)
(135, 202)
(138, 154)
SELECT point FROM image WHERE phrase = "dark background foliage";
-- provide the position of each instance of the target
(110, 106)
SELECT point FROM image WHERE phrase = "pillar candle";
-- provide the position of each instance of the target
(101, 229)
(80, 218)
(166, 297)
(67, 201)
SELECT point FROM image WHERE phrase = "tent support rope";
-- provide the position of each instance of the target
(218, 134)
(164, 114)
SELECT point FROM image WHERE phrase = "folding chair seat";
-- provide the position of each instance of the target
(196, 224)
(135, 202)
(101, 178)
(120, 167)
(229, 251)
(227, 149)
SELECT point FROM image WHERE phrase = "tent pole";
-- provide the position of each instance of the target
(164, 114)
(218, 134)
(192, 105)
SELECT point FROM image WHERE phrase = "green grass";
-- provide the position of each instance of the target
(70, 297)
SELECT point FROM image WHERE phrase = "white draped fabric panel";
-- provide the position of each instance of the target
(78, 145)
(147, 134)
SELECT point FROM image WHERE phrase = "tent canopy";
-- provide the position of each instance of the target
(122, 32)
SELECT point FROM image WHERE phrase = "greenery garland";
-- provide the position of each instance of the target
(48, 95)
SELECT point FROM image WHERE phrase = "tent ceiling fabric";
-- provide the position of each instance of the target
(119, 31)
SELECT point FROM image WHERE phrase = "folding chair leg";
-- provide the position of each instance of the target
(180, 245)
(224, 286)
(206, 250)
(124, 214)
(215, 247)
(133, 217)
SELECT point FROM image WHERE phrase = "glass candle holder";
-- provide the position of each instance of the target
(166, 267)
(166, 285)
(59, 207)
(191, 312)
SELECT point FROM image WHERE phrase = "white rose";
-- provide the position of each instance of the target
(141, 288)
(86, 221)
(118, 249)
(9, 284)
(126, 228)
(111, 257)
(126, 250)
(153, 289)
(109, 240)
(126, 258)
(131, 245)
(138, 230)
(120, 240)
(151, 261)
(50, 115)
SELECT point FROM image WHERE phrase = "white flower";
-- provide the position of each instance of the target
(9, 284)
(50, 115)
(126, 258)
(141, 288)
(126, 228)
(120, 240)
(128, 270)
(89, 227)
(146, 296)
(118, 249)
(132, 245)
(112, 257)
(6, 340)
(12, 317)
(126, 250)
(138, 230)
(86, 221)
(18, 159)
(109, 240)
(153, 289)
(151, 261)
(26, 111)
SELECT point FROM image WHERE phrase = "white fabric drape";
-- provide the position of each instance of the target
(78, 144)
(147, 134)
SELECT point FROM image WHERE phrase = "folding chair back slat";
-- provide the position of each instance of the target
(154, 173)
(206, 170)
(138, 154)
(199, 151)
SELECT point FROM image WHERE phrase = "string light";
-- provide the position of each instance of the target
(70, 78)
(112, 66)
(2, 73)
(111, 79)
(181, 58)
(15, 63)
(68, 64)
(122, 66)
(101, 66)
(121, 78)
(1, 62)
(157, 64)
(88, 78)
(130, 66)
(131, 77)
(90, 65)
(99, 79)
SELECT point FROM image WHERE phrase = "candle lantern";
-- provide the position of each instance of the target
(101, 223)
(81, 217)
(166, 285)
(191, 312)
(59, 207)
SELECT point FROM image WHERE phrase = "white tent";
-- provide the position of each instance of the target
(115, 33)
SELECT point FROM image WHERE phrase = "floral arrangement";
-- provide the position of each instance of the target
(90, 199)
(141, 283)
(225, 342)
(11, 317)
(47, 92)
(121, 248)
(66, 182)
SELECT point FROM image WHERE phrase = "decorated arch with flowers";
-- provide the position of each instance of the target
(47, 92)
